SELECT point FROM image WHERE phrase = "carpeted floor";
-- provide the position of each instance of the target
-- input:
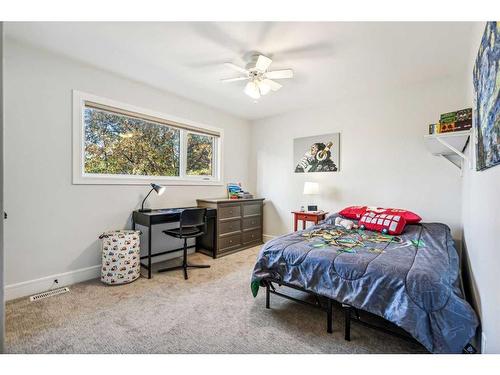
(212, 312)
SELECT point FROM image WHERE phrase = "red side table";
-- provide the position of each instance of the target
(313, 216)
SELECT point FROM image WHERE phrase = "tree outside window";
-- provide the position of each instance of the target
(118, 143)
(200, 149)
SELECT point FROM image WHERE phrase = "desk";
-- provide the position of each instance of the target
(314, 216)
(169, 215)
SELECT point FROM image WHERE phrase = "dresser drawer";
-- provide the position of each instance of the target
(304, 216)
(252, 209)
(252, 236)
(251, 222)
(229, 242)
(230, 211)
(229, 226)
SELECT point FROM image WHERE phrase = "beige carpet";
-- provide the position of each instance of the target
(212, 312)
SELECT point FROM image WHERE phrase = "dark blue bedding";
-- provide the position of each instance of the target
(411, 280)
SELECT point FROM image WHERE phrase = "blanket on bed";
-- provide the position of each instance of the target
(411, 280)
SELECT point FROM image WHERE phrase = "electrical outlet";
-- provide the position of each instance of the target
(483, 343)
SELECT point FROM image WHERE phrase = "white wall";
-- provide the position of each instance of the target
(383, 160)
(53, 225)
(2, 321)
(481, 226)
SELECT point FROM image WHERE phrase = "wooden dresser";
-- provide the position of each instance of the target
(238, 225)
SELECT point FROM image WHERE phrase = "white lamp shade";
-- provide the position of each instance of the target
(311, 188)
(252, 90)
(264, 88)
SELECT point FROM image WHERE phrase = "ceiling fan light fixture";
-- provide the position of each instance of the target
(260, 79)
(252, 90)
(264, 88)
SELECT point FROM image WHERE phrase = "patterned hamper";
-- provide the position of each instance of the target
(120, 256)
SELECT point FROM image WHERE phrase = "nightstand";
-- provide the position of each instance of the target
(312, 216)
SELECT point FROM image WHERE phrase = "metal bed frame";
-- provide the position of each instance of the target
(351, 314)
(270, 289)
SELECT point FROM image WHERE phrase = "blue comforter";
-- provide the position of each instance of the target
(411, 280)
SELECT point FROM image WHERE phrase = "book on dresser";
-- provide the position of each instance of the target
(238, 225)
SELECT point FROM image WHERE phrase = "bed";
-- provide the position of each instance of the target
(411, 280)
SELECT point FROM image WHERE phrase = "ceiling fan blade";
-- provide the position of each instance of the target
(275, 86)
(236, 67)
(263, 63)
(234, 79)
(280, 74)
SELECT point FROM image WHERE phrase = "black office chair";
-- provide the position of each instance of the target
(192, 224)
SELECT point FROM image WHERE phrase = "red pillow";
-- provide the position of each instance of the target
(394, 224)
(353, 212)
(410, 217)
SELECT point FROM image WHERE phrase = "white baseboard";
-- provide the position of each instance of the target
(27, 288)
(268, 237)
(483, 343)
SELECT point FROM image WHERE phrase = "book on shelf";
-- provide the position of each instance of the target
(456, 116)
(455, 126)
(452, 122)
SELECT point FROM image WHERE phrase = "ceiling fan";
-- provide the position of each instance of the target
(260, 79)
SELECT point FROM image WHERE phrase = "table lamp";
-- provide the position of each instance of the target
(311, 188)
(159, 190)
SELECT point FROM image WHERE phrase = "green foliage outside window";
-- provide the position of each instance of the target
(118, 144)
(199, 154)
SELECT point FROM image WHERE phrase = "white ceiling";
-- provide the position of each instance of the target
(331, 60)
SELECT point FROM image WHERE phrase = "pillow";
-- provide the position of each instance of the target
(353, 212)
(410, 217)
(394, 224)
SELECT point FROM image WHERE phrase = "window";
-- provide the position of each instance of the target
(200, 149)
(120, 144)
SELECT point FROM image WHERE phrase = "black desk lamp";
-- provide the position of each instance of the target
(159, 190)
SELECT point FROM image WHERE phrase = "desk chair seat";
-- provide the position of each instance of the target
(192, 224)
(180, 233)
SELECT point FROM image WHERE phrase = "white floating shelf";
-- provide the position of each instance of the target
(449, 145)
(457, 140)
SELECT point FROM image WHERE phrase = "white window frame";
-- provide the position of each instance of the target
(185, 126)
(183, 164)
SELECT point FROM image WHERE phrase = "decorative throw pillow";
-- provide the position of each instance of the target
(353, 212)
(410, 217)
(394, 224)
(356, 212)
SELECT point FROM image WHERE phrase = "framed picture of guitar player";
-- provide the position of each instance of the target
(319, 153)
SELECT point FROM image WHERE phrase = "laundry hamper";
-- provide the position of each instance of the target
(121, 256)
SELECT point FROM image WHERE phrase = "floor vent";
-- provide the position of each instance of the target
(50, 293)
